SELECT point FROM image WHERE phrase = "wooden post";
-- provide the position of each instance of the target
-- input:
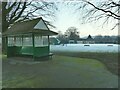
(6, 41)
(33, 42)
(49, 43)
(14, 40)
(22, 40)
(6, 46)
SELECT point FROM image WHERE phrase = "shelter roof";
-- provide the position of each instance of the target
(37, 26)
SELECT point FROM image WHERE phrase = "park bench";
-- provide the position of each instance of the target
(86, 45)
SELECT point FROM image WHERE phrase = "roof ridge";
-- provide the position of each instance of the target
(28, 20)
(27, 27)
(34, 19)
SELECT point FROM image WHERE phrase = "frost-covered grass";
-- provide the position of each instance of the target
(85, 48)
(106, 53)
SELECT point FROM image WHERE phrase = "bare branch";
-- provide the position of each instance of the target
(14, 13)
(11, 7)
(115, 26)
(106, 11)
(103, 10)
(20, 13)
(115, 3)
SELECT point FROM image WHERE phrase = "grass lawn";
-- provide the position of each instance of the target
(60, 72)
(110, 60)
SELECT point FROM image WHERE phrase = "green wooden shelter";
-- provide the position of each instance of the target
(28, 38)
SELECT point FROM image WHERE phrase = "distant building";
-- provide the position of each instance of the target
(71, 41)
(54, 41)
(106, 39)
(88, 40)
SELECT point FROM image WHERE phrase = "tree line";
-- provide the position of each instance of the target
(17, 11)
(72, 34)
(107, 39)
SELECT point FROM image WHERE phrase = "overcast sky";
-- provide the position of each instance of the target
(66, 16)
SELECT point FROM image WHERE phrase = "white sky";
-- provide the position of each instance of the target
(67, 17)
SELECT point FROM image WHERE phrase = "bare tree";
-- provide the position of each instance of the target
(72, 34)
(20, 11)
(0, 16)
(99, 9)
(71, 30)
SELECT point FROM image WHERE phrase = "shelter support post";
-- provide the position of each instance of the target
(33, 42)
(22, 40)
(48, 43)
(6, 45)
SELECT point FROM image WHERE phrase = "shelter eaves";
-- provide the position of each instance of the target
(35, 26)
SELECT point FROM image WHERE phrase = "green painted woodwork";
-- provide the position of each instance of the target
(41, 51)
(27, 50)
(17, 49)
(30, 28)
(11, 51)
(33, 48)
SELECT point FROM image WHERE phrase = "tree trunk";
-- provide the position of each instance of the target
(4, 45)
(4, 27)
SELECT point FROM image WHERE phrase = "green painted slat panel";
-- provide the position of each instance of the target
(28, 50)
(40, 51)
(10, 51)
(18, 48)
